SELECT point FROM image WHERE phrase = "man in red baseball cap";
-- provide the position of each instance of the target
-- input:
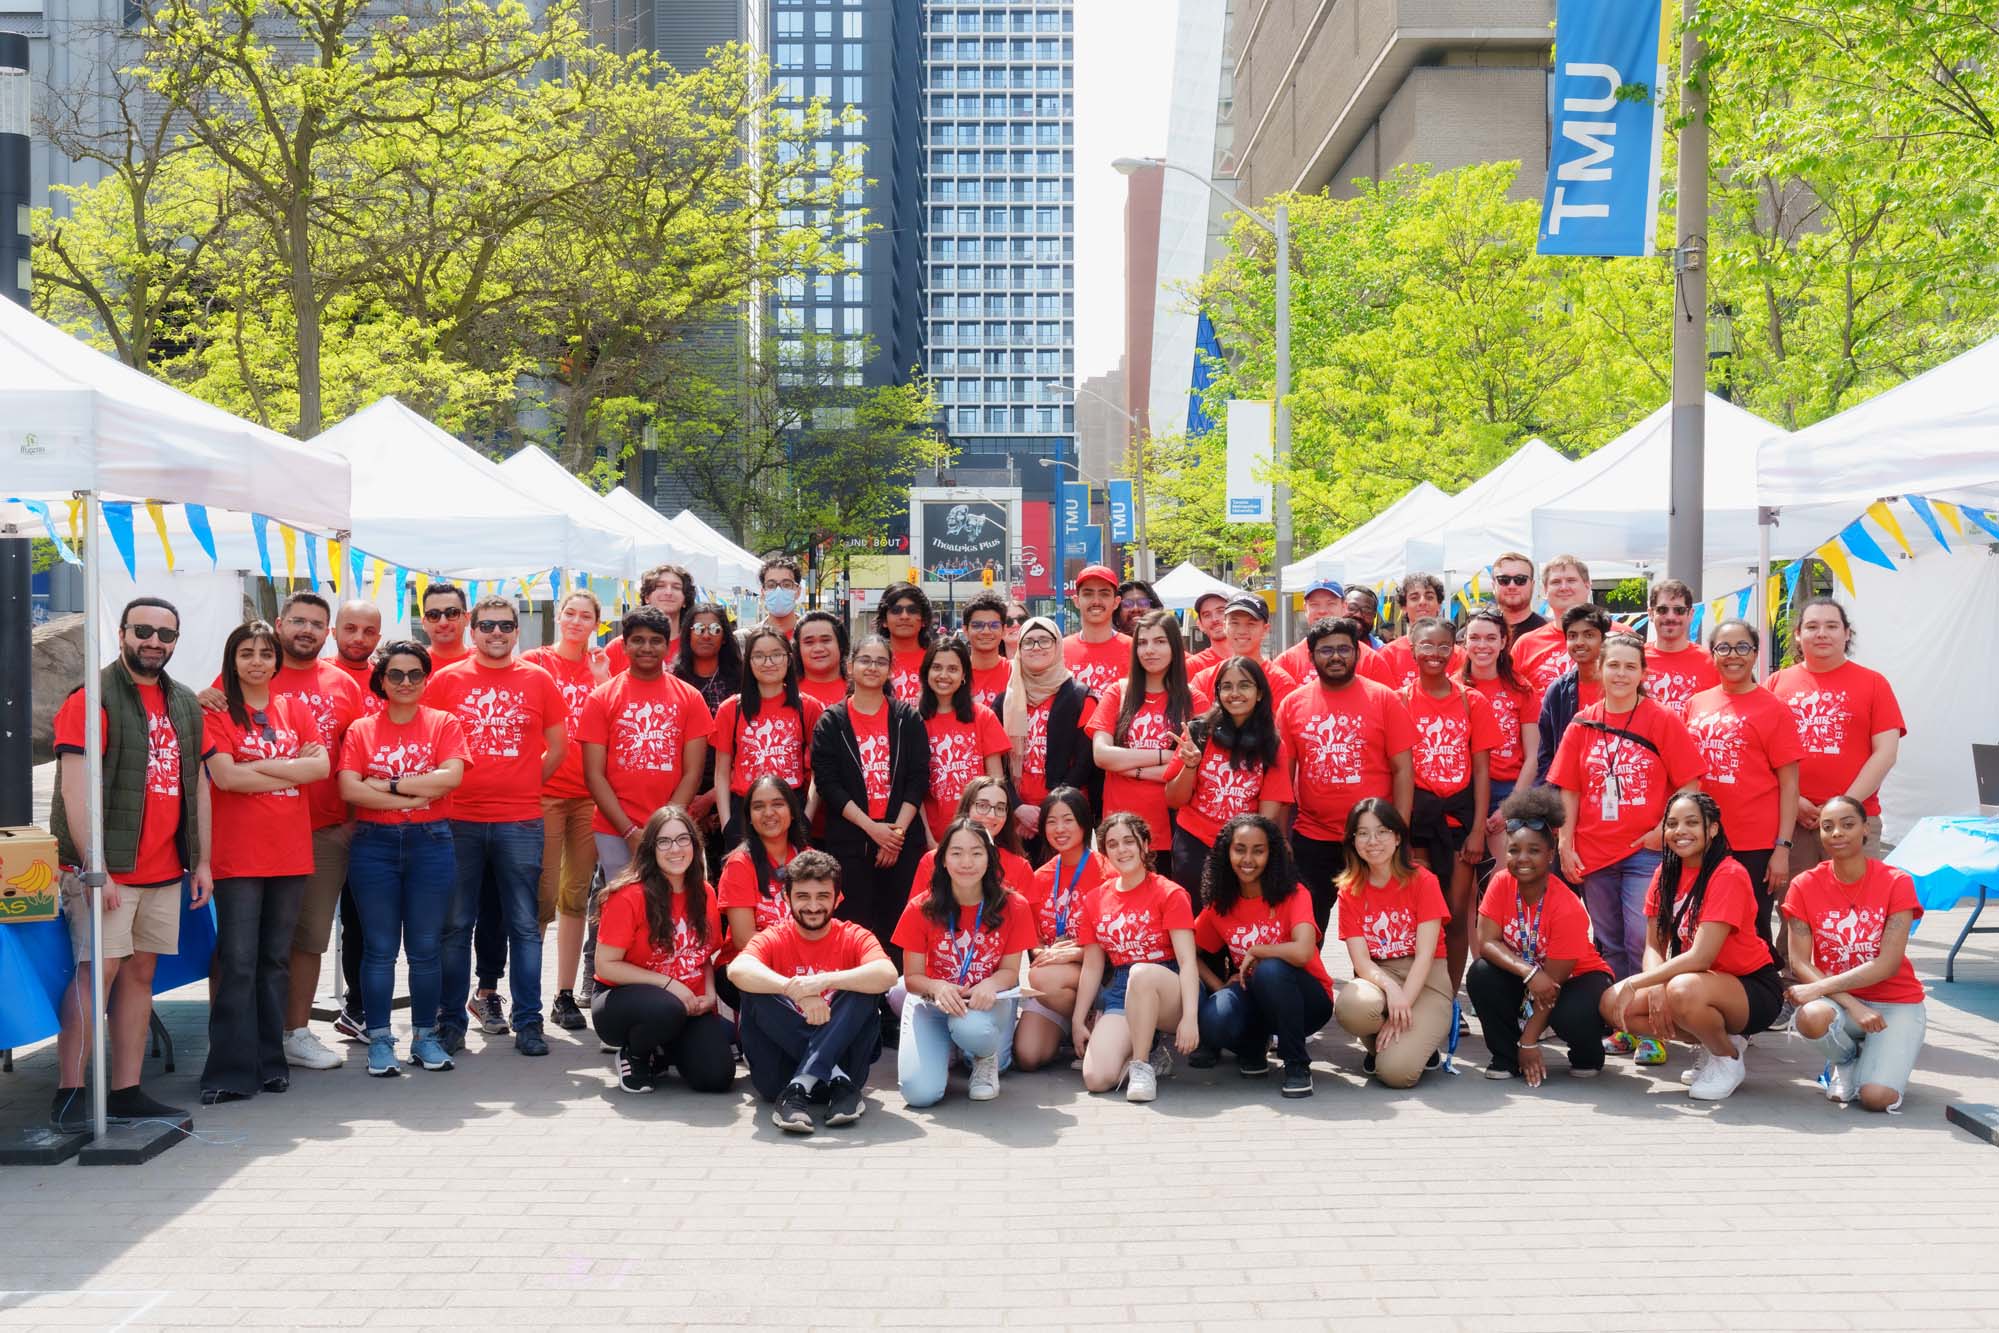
(1097, 655)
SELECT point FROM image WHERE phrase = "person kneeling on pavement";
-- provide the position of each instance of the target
(811, 986)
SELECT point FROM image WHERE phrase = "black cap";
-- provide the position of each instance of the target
(1249, 604)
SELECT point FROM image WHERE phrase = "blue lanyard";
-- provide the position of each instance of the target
(1065, 900)
(972, 949)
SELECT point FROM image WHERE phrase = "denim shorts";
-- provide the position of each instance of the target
(1111, 1001)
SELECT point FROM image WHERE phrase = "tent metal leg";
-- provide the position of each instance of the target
(1971, 928)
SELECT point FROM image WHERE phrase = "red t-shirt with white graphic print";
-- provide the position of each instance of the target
(1150, 730)
(989, 686)
(1387, 917)
(1098, 666)
(621, 923)
(1745, 738)
(737, 886)
(334, 702)
(905, 674)
(1398, 663)
(1253, 921)
(1511, 710)
(1135, 925)
(1033, 777)
(1729, 900)
(1449, 731)
(1652, 756)
(157, 860)
(1059, 893)
(1222, 790)
(1541, 656)
(958, 753)
(970, 951)
(265, 833)
(1342, 741)
(1557, 927)
(871, 738)
(644, 727)
(1015, 873)
(784, 949)
(1848, 920)
(574, 681)
(1673, 679)
(379, 748)
(776, 742)
(1838, 714)
(506, 712)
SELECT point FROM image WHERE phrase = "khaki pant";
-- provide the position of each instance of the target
(568, 856)
(1361, 1009)
(322, 888)
(144, 921)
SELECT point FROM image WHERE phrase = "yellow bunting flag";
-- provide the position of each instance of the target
(1776, 599)
(157, 512)
(422, 582)
(75, 522)
(1880, 513)
(1716, 610)
(1943, 507)
(333, 566)
(1835, 558)
(290, 538)
(375, 584)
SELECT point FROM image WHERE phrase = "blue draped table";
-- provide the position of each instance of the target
(36, 964)
(1951, 858)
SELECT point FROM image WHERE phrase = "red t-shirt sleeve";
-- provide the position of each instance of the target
(1207, 933)
(450, 740)
(1350, 914)
(723, 735)
(1902, 893)
(1779, 726)
(354, 750)
(1105, 718)
(1498, 894)
(1565, 933)
(736, 885)
(1018, 931)
(594, 727)
(1277, 778)
(1884, 710)
(991, 733)
(68, 725)
(1729, 898)
(913, 929)
(1177, 913)
(622, 921)
(1563, 772)
(697, 722)
(859, 947)
(1297, 911)
(218, 733)
(548, 699)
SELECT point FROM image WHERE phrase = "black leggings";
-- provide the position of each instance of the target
(656, 1027)
(1497, 994)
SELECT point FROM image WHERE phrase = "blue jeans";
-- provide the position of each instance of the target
(923, 1059)
(401, 876)
(1281, 999)
(1615, 897)
(509, 853)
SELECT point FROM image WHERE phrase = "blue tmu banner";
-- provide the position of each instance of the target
(1123, 529)
(1602, 194)
(1075, 497)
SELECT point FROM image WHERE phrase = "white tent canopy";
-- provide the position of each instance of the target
(654, 543)
(740, 569)
(1533, 469)
(709, 569)
(1184, 585)
(1373, 546)
(426, 501)
(1936, 436)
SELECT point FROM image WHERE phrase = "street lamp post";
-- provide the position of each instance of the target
(1142, 557)
(1279, 227)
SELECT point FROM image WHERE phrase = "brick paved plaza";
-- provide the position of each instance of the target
(518, 1193)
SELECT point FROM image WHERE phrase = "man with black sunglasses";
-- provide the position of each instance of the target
(1513, 591)
(514, 720)
(445, 619)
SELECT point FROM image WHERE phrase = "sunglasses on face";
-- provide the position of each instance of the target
(905, 609)
(1669, 610)
(703, 631)
(492, 626)
(1513, 580)
(444, 613)
(398, 676)
(1016, 620)
(160, 632)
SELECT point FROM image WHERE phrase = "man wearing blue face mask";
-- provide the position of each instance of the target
(783, 593)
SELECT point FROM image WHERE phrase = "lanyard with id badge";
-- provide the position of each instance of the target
(1529, 936)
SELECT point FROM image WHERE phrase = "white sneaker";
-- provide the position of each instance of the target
(1141, 1084)
(305, 1051)
(1691, 1076)
(985, 1078)
(1842, 1081)
(1723, 1075)
(1162, 1058)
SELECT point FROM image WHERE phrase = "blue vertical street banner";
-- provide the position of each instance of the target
(1075, 515)
(1602, 193)
(1123, 529)
(1093, 545)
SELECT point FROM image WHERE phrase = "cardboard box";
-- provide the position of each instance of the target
(29, 875)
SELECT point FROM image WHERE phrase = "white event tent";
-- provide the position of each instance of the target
(1534, 469)
(425, 501)
(77, 423)
(1184, 585)
(1373, 546)
(740, 569)
(654, 542)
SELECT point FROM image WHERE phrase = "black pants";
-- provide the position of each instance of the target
(1758, 865)
(489, 937)
(350, 948)
(1319, 866)
(1190, 861)
(659, 1032)
(781, 1046)
(872, 895)
(1497, 995)
(254, 919)
(1279, 999)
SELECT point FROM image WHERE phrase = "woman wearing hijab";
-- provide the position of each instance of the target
(1043, 712)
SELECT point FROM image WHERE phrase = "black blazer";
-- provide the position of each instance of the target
(1070, 760)
(836, 767)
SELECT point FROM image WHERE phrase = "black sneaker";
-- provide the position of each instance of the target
(349, 1024)
(1367, 1063)
(843, 1102)
(1436, 1058)
(487, 1013)
(69, 1113)
(1297, 1080)
(1252, 1064)
(529, 1041)
(278, 1084)
(565, 1014)
(451, 1037)
(1203, 1058)
(128, 1105)
(631, 1078)
(793, 1114)
(217, 1096)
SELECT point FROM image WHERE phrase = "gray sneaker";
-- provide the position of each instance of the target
(487, 1013)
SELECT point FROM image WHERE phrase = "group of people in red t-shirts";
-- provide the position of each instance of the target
(1010, 846)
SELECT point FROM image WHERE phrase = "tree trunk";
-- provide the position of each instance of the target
(305, 311)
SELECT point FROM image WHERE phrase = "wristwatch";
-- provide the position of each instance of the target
(394, 788)
(1781, 842)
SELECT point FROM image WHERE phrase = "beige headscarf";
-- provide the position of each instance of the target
(1026, 691)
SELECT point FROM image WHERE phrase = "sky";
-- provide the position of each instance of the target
(1124, 72)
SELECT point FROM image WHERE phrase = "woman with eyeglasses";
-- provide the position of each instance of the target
(871, 760)
(1059, 891)
(657, 936)
(966, 740)
(1750, 741)
(1045, 712)
(822, 657)
(1138, 724)
(905, 617)
(264, 750)
(1536, 968)
(398, 769)
(1230, 761)
(984, 802)
(1392, 916)
(765, 730)
(1134, 598)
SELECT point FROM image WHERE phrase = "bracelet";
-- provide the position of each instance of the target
(1528, 1045)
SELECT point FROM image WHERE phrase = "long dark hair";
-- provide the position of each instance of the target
(1254, 743)
(896, 592)
(1179, 699)
(232, 684)
(1670, 868)
(961, 702)
(750, 695)
(653, 886)
(942, 907)
(728, 662)
(1078, 803)
(1502, 666)
(1221, 888)
(798, 835)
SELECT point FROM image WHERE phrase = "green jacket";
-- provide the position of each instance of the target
(126, 752)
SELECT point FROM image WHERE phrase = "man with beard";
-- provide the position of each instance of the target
(1097, 655)
(1349, 737)
(444, 623)
(153, 835)
(1513, 592)
(336, 703)
(811, 989)
(357, 632)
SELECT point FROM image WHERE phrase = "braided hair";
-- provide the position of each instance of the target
(1670, 869)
